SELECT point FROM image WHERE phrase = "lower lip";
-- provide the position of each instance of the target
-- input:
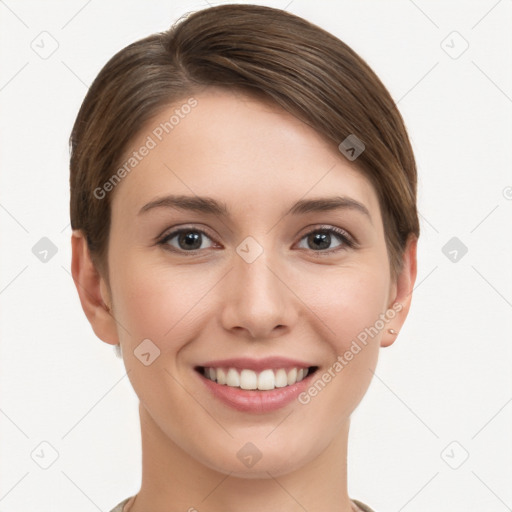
(256, 401)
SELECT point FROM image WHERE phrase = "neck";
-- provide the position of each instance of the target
(172, 480)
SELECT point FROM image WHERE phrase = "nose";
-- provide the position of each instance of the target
(258, 302)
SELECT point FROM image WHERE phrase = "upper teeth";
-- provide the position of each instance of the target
(248, 379)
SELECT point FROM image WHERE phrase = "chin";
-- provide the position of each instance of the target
(265, 463)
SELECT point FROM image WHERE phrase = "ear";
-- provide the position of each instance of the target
(401, 294)
(92, 290)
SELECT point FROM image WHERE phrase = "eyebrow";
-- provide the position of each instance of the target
(211, 206)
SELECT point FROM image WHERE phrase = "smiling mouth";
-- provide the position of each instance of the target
(247, 379)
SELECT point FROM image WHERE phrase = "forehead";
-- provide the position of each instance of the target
(237, 148)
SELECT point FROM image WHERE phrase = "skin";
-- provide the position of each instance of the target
(259, 160)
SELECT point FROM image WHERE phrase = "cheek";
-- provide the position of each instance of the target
(347, 300)
(159, 303)
(350, 307)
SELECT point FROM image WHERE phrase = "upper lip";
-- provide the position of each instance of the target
(256, 365)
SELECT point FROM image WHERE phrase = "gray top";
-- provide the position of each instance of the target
(362, 507)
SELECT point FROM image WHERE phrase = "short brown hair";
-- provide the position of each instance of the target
(259, 50)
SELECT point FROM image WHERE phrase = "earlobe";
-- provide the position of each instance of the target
(401, 302)
(92, 290)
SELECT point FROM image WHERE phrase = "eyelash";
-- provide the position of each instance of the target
(347, 242)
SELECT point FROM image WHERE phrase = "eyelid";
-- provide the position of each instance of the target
(329, 227)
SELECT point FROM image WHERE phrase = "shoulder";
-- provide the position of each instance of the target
(362, 506)
(119, 507)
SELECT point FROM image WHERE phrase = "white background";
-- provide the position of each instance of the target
(448, 376)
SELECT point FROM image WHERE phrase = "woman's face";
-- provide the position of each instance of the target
(258, 281)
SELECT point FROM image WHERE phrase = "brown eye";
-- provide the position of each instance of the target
(186, 240)
(322, 240)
